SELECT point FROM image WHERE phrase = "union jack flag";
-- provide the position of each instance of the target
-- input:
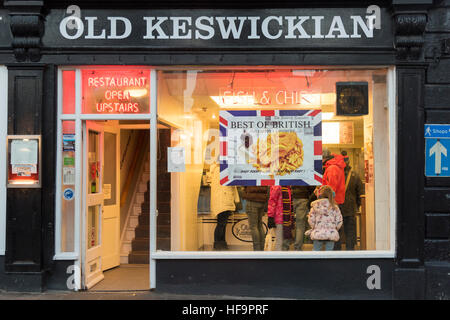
(234, 124)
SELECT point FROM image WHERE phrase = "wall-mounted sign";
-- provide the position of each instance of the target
(220, 28)
(176, 159)
(247, 97)
(116, 91)
(68, 142)
(68, 194)
(69, 176)
(23, 161)
(437, 146)
(270, 147)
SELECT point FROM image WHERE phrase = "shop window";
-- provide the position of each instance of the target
(240, 139)
(110, 91)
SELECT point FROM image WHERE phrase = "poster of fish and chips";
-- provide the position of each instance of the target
(270, 147)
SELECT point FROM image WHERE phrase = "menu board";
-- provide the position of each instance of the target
(23, 161)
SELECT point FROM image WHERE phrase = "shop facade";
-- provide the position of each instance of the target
(200, 79)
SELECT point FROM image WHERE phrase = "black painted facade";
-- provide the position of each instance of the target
(420, 50)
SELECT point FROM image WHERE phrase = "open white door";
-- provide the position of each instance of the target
(111, 205)
(93, 205)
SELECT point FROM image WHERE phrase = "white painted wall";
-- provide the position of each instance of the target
(3, 133)
(381, 166)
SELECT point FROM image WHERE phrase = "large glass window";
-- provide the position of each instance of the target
(250, 150)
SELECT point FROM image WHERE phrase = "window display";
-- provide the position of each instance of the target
(258, 145)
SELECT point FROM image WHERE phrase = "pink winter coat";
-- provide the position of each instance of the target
(325, 221)
(275, 206)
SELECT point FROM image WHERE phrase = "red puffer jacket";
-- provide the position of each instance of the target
(334, 177)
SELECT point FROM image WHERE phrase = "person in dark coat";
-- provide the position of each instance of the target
(353, 192)
(256, 205)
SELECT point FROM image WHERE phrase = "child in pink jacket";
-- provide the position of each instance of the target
(280, 216)
(325, 220)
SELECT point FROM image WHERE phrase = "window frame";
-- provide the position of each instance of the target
(366, 254)
(3, 157)
(152, 117)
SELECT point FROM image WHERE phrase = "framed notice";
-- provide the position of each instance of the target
(270, 147)
(24, 158)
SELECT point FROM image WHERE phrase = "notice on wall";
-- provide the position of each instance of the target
(271, 147)
(68, 175)
(176, 159)
(24, 152)
(23, 170)
(68, 142)
(346, 132)
(107, 191)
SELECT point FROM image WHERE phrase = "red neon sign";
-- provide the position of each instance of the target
(116, 91)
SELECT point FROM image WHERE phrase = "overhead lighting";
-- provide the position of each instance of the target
(330, 132)
(136, 93)
(327, 115)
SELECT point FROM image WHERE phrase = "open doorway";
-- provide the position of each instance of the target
(116, 205)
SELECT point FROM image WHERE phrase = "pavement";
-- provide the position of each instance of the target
(116, 295)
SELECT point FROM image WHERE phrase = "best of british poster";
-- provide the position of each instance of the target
(270, 147)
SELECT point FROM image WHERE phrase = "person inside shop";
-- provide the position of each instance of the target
(325, 219)
(354, 188)
(223, 204)
(333, 175)
(256, 199)
(300, 200)
(280, 216)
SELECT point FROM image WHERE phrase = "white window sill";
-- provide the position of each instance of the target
(66, 256)
(369, 254)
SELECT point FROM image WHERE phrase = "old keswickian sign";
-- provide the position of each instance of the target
(265, 28)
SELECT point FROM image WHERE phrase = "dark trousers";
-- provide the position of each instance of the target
(221, 227)
(349, 230)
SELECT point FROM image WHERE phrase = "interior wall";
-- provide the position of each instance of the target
(187, 132)
(126, 160)
(381, 163)
(369, 166)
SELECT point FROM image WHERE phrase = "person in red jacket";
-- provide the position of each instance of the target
(334, 175)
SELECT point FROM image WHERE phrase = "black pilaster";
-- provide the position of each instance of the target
(410, 19)
(31, 111)
(24, 214)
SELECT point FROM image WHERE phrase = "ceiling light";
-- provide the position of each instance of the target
(136, 93)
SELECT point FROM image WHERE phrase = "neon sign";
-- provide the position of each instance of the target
(271, 96)
(116, 91)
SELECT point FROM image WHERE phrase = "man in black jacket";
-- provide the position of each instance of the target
(353, 192)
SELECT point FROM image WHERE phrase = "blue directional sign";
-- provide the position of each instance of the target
(437, 146)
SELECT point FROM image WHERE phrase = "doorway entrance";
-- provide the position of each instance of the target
(114, 170)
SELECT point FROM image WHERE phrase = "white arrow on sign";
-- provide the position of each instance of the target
(438, 149)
